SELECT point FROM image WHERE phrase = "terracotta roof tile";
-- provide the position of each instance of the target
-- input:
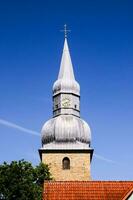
(86, 190)
(127, 194)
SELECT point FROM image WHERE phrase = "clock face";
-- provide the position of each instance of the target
(66, 102)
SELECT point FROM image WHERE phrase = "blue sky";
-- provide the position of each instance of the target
(101, 46)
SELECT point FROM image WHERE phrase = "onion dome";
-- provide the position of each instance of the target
(66, 82)
(66, 129)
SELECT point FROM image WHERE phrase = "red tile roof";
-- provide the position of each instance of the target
(87, 190)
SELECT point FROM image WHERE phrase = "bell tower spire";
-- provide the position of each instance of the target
(66, 90)
(66, 67)
(66, 138)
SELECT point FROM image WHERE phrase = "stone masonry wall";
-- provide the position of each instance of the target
(79, 166)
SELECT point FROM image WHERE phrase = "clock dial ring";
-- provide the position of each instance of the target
(66, 102)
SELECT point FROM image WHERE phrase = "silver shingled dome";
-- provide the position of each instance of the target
(66, 129)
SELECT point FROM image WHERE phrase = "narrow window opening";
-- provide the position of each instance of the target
(56, 106)
(75, 106)
(66, 163)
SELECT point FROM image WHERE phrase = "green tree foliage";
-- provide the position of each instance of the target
(19, 180)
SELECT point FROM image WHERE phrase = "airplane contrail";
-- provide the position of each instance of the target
(20, 128)
(104, 159)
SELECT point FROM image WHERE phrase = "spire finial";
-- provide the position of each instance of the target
(65, 30)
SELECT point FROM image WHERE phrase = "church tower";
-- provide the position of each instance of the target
(66, 138)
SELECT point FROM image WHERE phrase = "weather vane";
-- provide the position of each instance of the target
(65, 30)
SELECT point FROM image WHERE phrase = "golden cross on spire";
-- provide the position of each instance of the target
(65, 30)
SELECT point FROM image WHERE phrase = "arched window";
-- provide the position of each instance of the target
(66, 163)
